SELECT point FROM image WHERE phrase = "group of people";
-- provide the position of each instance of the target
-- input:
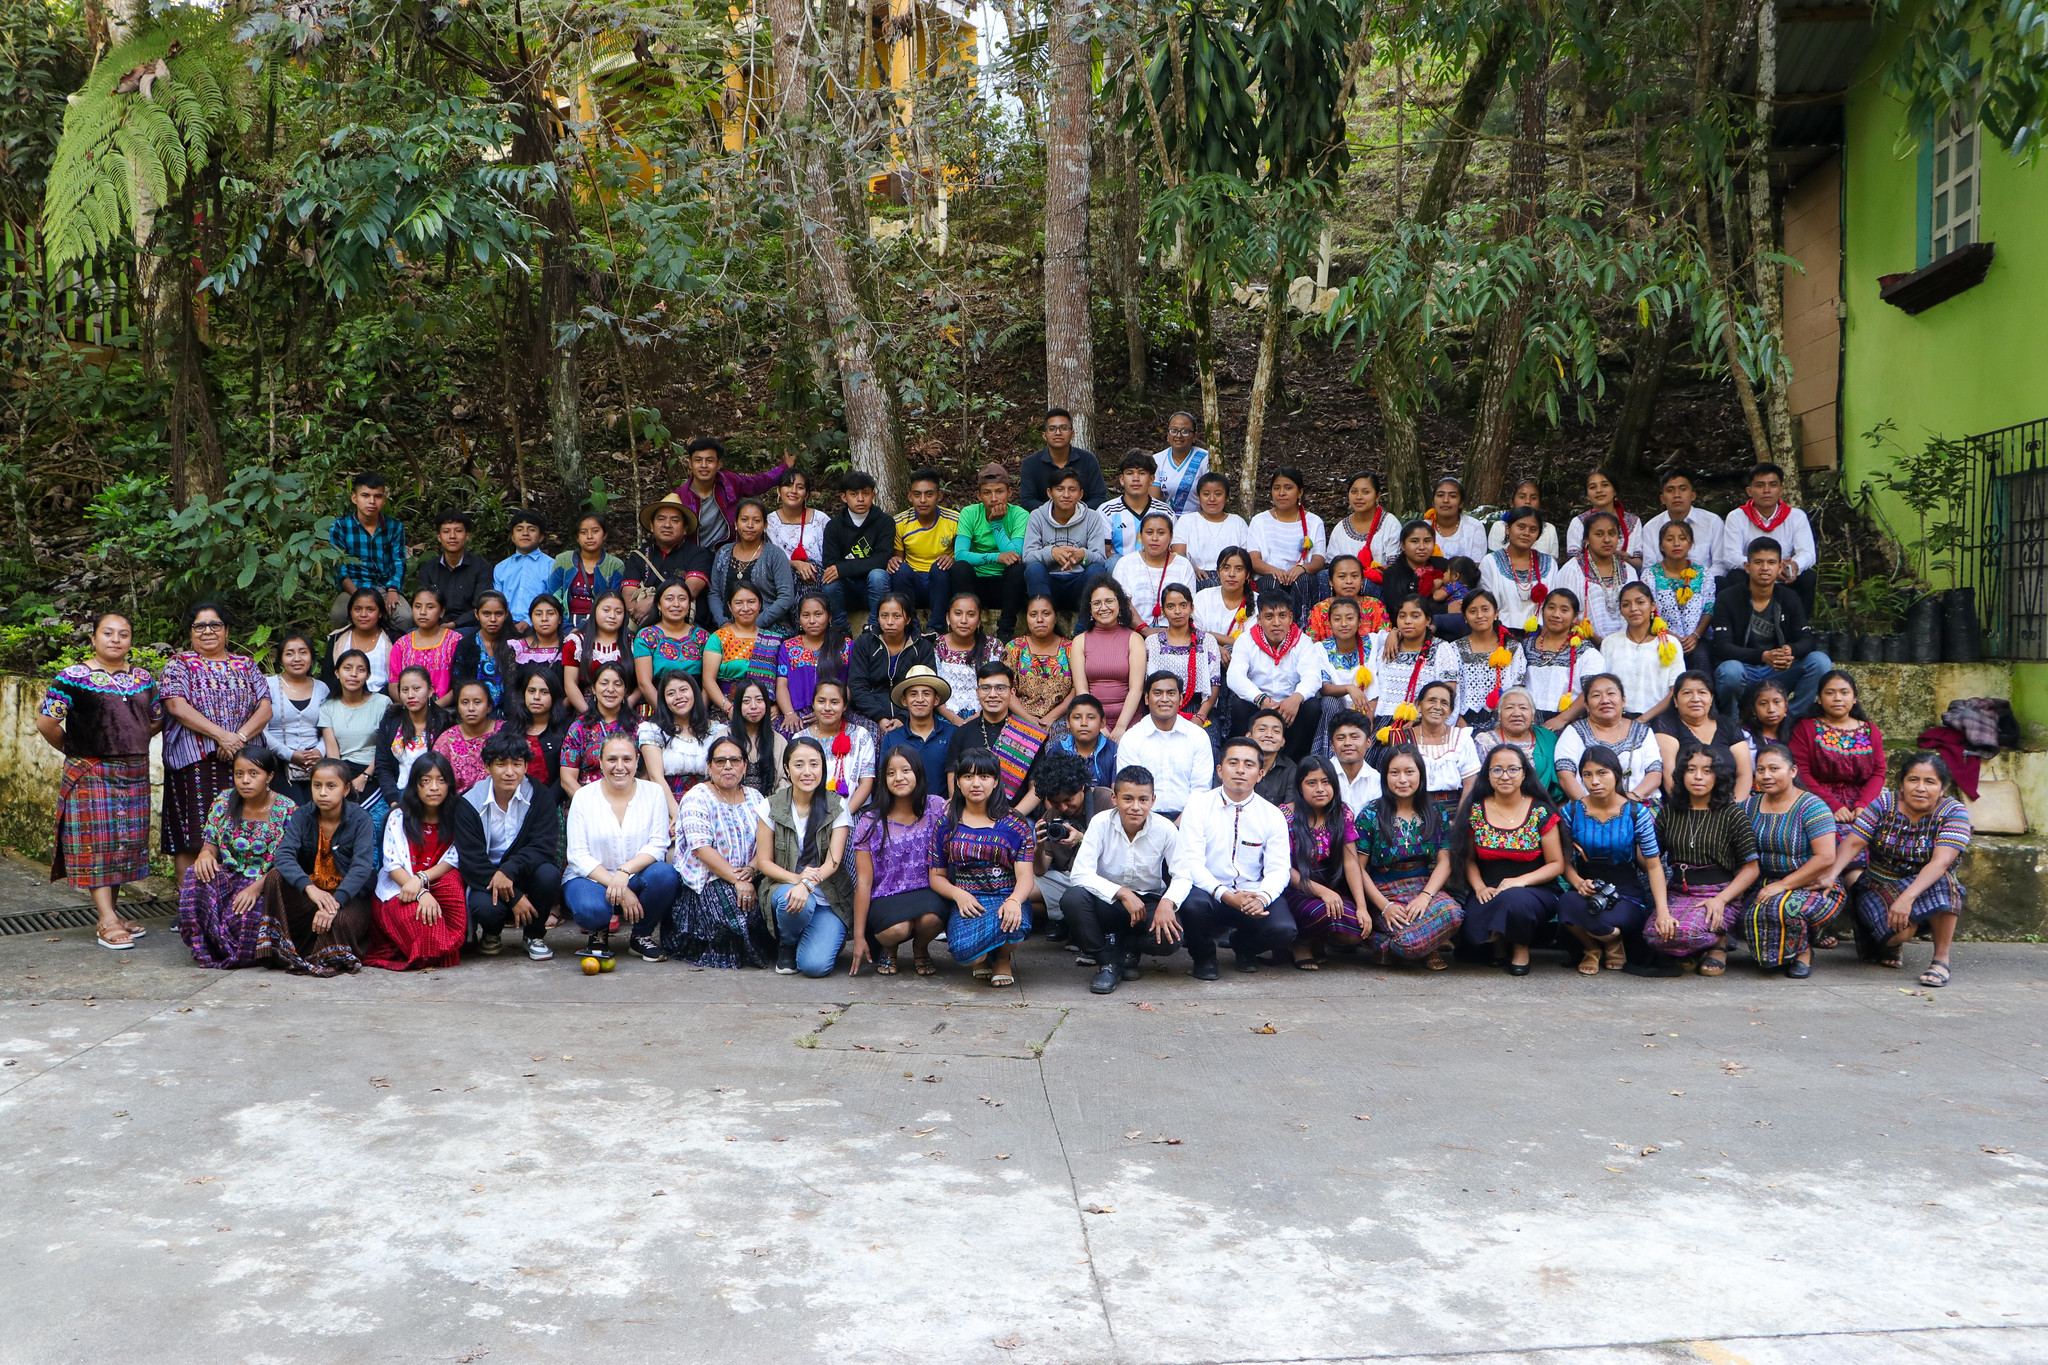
(1427, 738)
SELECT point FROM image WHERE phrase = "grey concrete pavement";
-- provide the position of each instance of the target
(509, 1161)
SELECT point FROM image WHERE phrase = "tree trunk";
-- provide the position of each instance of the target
(1127, 222)
(1069, 350)
(1201, 316)
(870, 431)
(1744, 392)
(1639, 402)
(1763, 232)
(1455, 148)
(1486, 466)
(1406, 494)
(1262, 385)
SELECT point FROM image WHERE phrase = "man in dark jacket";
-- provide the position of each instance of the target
(860, 544)
(1059, 452)
(669, 553)
(1761, 633)
(505, 840)
(456, 575)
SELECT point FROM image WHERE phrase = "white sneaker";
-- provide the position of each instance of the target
(538, 950)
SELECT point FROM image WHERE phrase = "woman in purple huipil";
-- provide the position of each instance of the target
(214, 702)
(892, 895)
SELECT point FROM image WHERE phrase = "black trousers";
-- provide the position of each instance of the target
(1736, 581)
(1005, 591)
(1301, 735)
(1098, 926)
(1205, 919)
(542, 886)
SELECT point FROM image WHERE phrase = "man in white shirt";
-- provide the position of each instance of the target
(1358, 782)
(1277, 666)
(505, 834)
(1765, 514)
(1233, 853)
(1680, 504)
(1177, 752)
(1120, 898)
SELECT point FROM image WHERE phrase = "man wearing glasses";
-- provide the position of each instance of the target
(1059, 452)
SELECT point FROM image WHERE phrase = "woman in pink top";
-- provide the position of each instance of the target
(1109, 656)
(430, 645)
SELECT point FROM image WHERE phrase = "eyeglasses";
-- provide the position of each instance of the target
(208, 625)
(728, 758)
(1503, 772)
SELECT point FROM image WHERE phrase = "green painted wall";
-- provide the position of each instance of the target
(1967, 365)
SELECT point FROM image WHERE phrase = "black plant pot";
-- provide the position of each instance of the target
(1924, 630)
(1960, 640)
(1895, 648)
(1841, 645)
(1870, 649)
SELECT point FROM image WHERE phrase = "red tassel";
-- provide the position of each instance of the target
(1493, 697)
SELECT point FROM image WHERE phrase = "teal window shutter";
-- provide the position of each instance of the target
(1923, 198)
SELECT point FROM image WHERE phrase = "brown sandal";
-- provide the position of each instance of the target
(925, 966)
(1614, 955)
(1435, 962)
(1589, 964)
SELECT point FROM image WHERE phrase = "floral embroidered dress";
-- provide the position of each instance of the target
(584, 744)
(1372, 618)
(743, 653)
(797, 664)
(685, 651)
(1326, 843)
(1480, 683)
(1043, 680)
(1683, 617)
(438, 661)
(227, 691)
(216, 934)
(465, 755)
(957, 667)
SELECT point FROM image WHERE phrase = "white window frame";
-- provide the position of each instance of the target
(1957, 175)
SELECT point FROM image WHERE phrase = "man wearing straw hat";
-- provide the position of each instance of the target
(921, 692)
(670, 552)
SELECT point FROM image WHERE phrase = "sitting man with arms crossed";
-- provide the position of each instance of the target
(1278, 667)
(505, 841)
(1176, 753)
(1119, 901)
(1233, 854)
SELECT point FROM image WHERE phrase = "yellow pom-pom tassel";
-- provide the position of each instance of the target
(1406, 713)
(1682, 596)
(1500, 658)
(1657, 626)
(1584, 630)
(1667, 653)
(1364, 676)
(1532, 625)
(1564, 703)
(1385, 731)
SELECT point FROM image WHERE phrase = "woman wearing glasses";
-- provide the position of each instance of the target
(214, 703)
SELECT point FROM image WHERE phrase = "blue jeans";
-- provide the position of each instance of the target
(655, 885)
(1062, 586)
(846, 591)
(817, 933)
(1801, 681)
(931, 589)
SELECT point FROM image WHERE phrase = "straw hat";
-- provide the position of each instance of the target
(675, 501)
(922, 675)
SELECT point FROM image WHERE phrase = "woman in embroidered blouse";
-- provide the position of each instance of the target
(1684, 591)
(1613, 840)
(979, 859)
(1144, 576)
(1528, 495)
(1597, 573)
(1345, 661)
(1109, 657)
(603, 639)
(1287, 544)
(1602, 500)
(797, 530)
(1633, 743)
(485, 655)
(1645, 657)
(893, 898)
(1405, 659)
(717, 825)
(675, 742)
(608, 716)
(220, 901)
(1347, 581)
(422, 907)
(1518, 575)
(1710, 859)
(1512, 854)
(1326, 885)
(1404, 843)
(586, 573)
(463, 742)
(1691, 718)
(1913, 834)
(1045, 672)
(670, 641)
(541, 646)
(100, 715)
(1839, 752)
(1556, 661)
(1515, 724)
(849, 750)
(961, 649)
(1489, 662)
(1450, 759)
(1224, 611)
(1369, 533)
(819, 651)
(1795, 846)
(738, 648)
(214, 703)
(365, 631)
(429, 645)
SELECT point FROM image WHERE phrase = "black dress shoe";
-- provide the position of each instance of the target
(1518, 969)
(1798, 970)
(1127, 968)
(1104, 981)
(1246, 962)
(1205, 969)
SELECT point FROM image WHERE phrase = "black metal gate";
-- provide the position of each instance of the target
(2004, 552)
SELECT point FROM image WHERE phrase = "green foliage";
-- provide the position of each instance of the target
(190, 87)
(1985, 60)
(1934, 484)
(42, 60)
(1221, 133)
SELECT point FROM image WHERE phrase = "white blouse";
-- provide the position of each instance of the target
(682, 755)
(600, 839)
(810, 533)
(398, 857)
(1205, 539)
(1279, 542)
(1144, 585)
(844, 772)
(1215, 617)
(1546, 540)
(1645, 680)
(1447, 764)
(1516, 596)
(1638, 751)
(1601, 600)
(1382, 548)
(1549, 674)
(1391, 677)
(1477, 678)
(1468, 540)
(1631, 541)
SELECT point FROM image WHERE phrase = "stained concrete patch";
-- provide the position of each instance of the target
(949, 1030)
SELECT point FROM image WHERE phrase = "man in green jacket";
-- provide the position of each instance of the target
(991, 543)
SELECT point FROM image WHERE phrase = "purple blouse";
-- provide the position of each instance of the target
(225, 691)
(904, 865)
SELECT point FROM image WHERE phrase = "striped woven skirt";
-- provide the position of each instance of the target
(1780, 928)
(1314, 919)
(102, 822)
(1421, 936)
(1690, 933)
(972, 938)
(1876, 891)
(188, 796)
(710, 929)
(209, 924)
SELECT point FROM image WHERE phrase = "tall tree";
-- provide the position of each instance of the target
(1069, 348)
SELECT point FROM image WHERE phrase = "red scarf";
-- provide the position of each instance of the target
(1372, 562)
(1777, 518)
(1266, 648)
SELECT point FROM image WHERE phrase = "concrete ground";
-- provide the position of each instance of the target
(510, 1162)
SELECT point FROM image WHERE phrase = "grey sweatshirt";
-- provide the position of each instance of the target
(1088, 530)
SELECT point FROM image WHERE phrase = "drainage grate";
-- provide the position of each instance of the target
(80, 916)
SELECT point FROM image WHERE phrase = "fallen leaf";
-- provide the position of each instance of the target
(993, 1104)
(1267, 1029)
(202, 1180)
(1135, 1133)
(936, 1156)
(1101, 1208)
(184, 1009)
(1002, 1156)
(1170, 1142)
(1615, 1169)
(538, 1057)
(933, 1079)
(567, 1058)
(1678, 1092)
(1998, 1151)
(862, 1047)
(476, 1189)
(1008, 1343)
(922, 1131)
(730, 1138)
(781, 1137)
(1146, 1005)
(1648, 1150)
(50, 940)
(380, 1083)
(657, 1194)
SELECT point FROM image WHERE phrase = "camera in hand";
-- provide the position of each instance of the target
(1601, 897)
(1055, 828)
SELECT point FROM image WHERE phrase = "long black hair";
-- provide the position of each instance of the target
(274, 763)
(439, 717)
(1300, 840)
(881, 800)
(1814, 712)
(1723, 793)
(1385, 814)
(415, 810)
(974, 763)
(516, 711)
(808, 853)
(586, 634)
(759, 746)
(1531, 787)
(832, 655)
(667, 719)
(1747, 707)
(625, 680)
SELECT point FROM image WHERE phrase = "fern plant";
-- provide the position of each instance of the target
(143, 125)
